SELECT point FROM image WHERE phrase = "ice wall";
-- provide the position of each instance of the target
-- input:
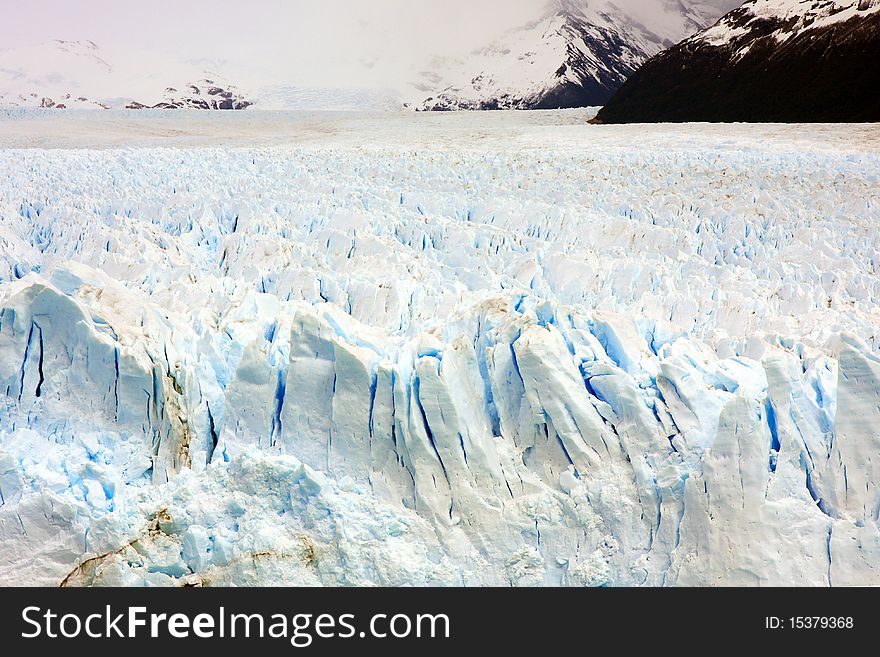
(374, 366)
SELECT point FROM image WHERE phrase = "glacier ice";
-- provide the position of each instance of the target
(337, 363)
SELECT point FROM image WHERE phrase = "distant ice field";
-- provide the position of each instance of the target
(445, 348)
(99, 129)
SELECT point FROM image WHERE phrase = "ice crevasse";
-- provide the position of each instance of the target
(315, 367)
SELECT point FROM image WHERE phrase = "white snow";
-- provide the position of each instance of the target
(351, 61)
(793, 16)
(504, 348)
(83, 75)
(612, 39)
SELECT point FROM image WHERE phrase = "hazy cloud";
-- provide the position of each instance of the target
(305, 41)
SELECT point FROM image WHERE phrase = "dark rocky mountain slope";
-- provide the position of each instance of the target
(767, 61)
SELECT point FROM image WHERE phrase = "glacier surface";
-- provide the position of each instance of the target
(475, 350)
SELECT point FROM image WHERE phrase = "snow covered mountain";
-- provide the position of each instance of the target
(576, 53)
(53, 74)
(73, 74)
(768, 60)
(571, 53)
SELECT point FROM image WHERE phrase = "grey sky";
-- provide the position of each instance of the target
(329, 39)
(215, 27)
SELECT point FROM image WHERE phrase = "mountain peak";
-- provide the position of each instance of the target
(569, 53)
(574, 54)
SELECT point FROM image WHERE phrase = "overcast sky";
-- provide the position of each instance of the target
(322, 39)
(214, 27)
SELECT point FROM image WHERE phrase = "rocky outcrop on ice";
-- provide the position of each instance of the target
(204, 94)
(574, 54)
(369, 366)
(768, 60)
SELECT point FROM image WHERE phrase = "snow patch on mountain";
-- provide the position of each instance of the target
(784, 19)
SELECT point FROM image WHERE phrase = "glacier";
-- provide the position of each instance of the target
(449, 350)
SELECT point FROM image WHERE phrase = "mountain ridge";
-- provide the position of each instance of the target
(768, 60)
(570, 53)
(575, 54)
